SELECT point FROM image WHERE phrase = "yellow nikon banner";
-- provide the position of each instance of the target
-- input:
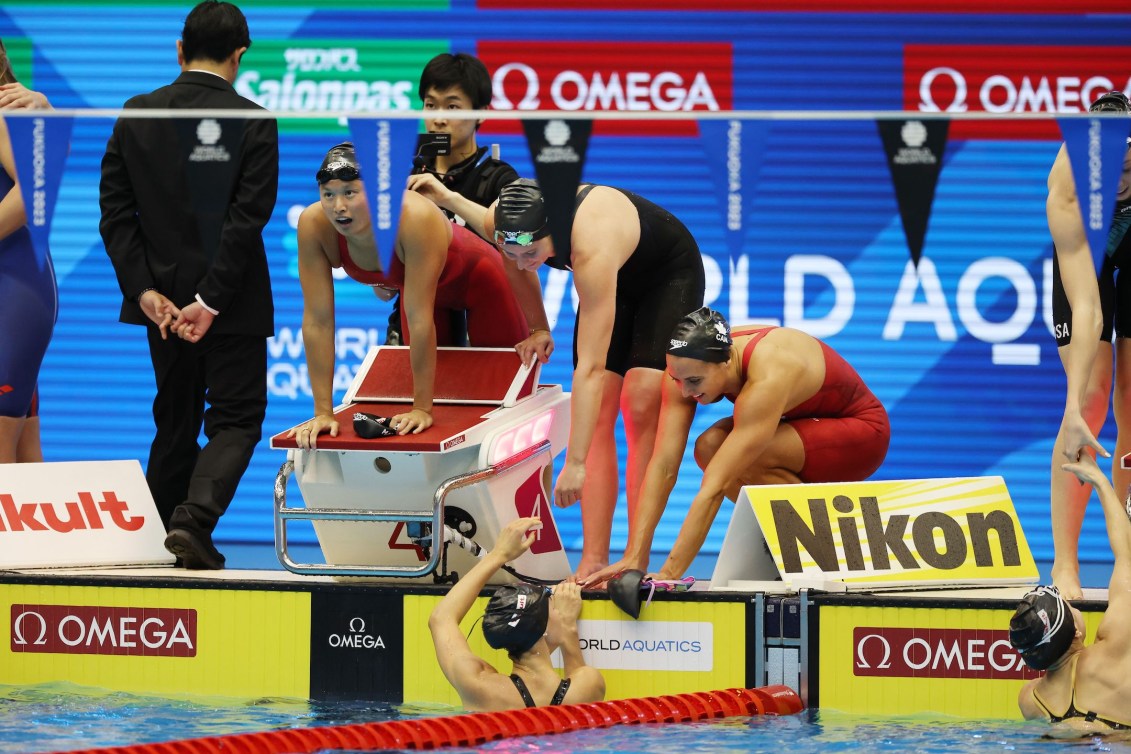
(908, 533)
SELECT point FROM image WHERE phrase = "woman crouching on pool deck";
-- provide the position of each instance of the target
(1085, 689)
(437, 265)
(801, 414)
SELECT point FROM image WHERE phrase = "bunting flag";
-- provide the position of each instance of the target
(40, 145)
(384, 150)
(211, 149)
(734, 151)
(914, 151)
(557, 148)
(1096, 148)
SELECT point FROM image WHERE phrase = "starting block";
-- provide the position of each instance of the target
(390, 506)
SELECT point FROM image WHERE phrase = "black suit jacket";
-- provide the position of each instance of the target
(184, 203)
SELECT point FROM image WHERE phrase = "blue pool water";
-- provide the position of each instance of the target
(60, 717)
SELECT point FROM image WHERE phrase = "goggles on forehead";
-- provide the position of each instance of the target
(342, 171)
(519, 238)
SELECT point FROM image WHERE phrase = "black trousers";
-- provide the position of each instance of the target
(193, 486)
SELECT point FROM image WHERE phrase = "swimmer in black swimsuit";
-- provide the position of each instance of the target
(1084, 690)
(1082, 309)
(529, 622)
(637, 270)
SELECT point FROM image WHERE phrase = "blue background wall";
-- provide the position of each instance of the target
(817, 196)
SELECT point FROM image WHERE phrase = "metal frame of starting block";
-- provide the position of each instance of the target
(391, 507)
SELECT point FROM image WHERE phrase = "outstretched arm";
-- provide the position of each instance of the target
(1118, 521)
(757, 414)
(596, 282)
(423, 241)
(676, 415)
(460, 665)
(316, 277)
(1078, 274)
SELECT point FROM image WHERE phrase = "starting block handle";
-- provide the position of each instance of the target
(283, 514)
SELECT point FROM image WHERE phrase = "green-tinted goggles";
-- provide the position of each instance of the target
(518, 238)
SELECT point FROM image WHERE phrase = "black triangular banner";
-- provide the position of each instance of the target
(557, 148)
(914, 151)
(211, 148)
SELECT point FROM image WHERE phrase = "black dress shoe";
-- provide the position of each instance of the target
(195, 550)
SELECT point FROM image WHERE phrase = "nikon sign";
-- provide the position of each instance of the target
(323, 76)
(920, 532)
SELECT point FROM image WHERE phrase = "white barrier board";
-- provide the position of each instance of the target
(81, 513)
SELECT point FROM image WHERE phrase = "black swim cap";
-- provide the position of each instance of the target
(1042, 627)
(516, 617)
(1111, 102)
(341, 163)
(704, 335)
(521, 209)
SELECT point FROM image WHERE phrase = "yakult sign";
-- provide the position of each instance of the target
(620, 76)
(78, 513)
(1006, 80)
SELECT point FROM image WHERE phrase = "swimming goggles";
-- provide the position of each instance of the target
(519, 238)
(342, 171)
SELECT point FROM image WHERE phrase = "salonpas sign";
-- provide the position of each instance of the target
(318, 76)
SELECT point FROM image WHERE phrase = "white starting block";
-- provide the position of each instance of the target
(486, 460)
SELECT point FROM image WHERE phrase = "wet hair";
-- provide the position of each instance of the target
(1111, 102)
(213, 31)
(521, 208)
(516, 617)
(460, 70)
(1042, 628)
(704, 334)
(340, 162)
(7, 75)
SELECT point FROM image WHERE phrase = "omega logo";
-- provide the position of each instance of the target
(357, 638)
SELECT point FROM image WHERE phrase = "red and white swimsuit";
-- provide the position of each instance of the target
(843, 426)
(473, 280)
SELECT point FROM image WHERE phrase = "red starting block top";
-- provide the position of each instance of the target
(470, 383)
(447, 422)
(463, 375)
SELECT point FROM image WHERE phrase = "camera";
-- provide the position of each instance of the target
(432, 144)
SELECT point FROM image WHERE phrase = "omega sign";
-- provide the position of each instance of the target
(97, 630)
(356, 638)
(936, 653)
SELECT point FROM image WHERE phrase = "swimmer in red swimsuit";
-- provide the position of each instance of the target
(801, 414)
(437, 265)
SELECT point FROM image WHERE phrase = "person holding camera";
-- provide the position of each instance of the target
(1088, 308)
(450, 168)
(437, 265)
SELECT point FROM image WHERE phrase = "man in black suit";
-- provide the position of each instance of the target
(184, 203)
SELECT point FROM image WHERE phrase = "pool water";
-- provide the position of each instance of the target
(60, 717)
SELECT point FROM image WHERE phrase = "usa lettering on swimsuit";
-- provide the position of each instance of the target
(938, 540)
(85, 513)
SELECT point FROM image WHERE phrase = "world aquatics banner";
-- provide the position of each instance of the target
(804, 221)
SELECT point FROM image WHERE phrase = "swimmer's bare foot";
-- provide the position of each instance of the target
(588, 567)
(1066, 578)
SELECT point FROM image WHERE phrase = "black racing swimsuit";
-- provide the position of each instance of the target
(1072, 712)
(559, 695)
(660, 282)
